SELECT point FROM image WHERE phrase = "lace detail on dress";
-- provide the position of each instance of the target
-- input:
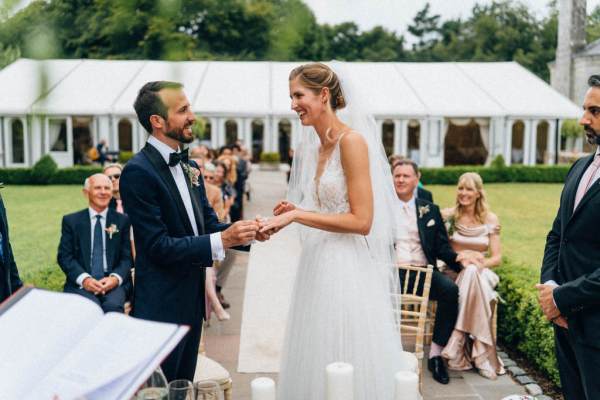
(330, 191)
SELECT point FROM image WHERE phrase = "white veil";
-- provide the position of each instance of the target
(357, 116)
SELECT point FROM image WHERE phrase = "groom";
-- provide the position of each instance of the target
(177, 233)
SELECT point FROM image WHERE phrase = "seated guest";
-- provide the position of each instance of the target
(94, 250)
(113, 171)
(422, 241)
(10, 281)
(474, 233)
(420, 191)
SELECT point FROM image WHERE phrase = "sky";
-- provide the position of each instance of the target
(395, 15)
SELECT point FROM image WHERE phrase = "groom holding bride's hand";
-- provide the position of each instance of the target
(177, 233)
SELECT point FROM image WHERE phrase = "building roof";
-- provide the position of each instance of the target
(591, 49)
(398, 90)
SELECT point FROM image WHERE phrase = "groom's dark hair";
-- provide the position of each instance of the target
(148, 102)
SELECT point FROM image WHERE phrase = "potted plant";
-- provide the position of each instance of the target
(269, 161)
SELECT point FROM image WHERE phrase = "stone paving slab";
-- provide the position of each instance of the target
(222, 338)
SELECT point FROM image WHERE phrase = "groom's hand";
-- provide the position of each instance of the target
(262, 236)
(239, 233)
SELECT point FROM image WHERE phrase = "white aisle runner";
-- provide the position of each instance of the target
(271, 272)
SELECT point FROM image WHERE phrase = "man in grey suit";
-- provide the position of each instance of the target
(569, 291)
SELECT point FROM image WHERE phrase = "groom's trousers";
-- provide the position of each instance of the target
(445, 292)
(578, 365)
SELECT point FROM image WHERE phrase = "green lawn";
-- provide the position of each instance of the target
(525, 210)
(34, 216)
(34, 212)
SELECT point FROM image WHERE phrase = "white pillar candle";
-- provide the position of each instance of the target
(340, 381)
(263, 389)
(407, 386)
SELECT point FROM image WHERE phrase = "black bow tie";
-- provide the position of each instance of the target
(176, 158)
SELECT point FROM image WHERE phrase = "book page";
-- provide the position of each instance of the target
(36, 333)
(117, 346)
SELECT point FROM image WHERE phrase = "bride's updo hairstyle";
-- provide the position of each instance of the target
(316, 76)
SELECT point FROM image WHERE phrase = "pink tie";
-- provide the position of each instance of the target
(120, 206)
(586, 180)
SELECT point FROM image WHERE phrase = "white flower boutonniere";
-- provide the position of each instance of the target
(192, 173)
(112, 230)
(423, 210)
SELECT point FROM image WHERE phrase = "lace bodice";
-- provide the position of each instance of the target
(330, 193)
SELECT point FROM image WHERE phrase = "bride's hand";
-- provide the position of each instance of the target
(274, 224)
(283, 207)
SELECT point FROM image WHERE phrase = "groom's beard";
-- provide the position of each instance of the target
(591, 135)
(178, 135)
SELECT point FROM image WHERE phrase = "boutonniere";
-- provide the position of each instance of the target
(449, 223)
(111, 230)
(423, 210)
(192, 173)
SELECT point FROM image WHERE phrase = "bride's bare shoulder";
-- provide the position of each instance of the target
(352, 138)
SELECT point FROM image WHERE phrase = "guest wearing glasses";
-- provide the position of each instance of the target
(113, 171)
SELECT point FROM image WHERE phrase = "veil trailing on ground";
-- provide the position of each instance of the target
(385, 202)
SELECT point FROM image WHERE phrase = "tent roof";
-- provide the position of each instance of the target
(402, 90)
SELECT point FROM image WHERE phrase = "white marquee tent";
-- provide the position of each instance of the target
(436, 113)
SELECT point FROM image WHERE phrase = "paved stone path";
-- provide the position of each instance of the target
(223, 338)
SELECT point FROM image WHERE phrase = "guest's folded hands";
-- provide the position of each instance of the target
(94, 286)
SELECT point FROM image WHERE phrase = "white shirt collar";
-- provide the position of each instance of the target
(163, 148)
(93, 213)
(410, 203)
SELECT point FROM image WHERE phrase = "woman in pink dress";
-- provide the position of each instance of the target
(474, 230)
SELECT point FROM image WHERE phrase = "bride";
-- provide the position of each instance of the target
(341, 193)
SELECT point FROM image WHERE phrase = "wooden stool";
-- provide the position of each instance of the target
(210, 370)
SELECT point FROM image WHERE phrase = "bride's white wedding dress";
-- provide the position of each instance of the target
(340, 308)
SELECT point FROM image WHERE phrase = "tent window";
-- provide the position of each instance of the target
(18, 142)
(82, 139)
(285, 137)
(465, 144)
(231, 131)
(518, 138)
(387, 136)
(414, 140)
(541, 143)
(258, 129)
(58, 135)
(125, 135)
(207, 131)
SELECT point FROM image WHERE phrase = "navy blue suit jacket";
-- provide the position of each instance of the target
(74, 250)
(572, 256)
(9, 275)
(170, 260)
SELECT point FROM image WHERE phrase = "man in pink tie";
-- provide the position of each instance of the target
(113, 171)
(569, 292)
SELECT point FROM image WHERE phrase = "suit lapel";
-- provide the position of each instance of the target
(194, 194)
(110, 243)
(571, 190)
(420, 223)
(164, 172)
(85, 238)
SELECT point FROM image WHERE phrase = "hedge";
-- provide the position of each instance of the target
(521, 323)
(61, 176)
(515, 173)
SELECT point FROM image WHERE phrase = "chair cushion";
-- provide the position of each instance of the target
(207, 369)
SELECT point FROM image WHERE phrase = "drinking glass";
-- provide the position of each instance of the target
(181, 389)
(207, 390)
(153, 393)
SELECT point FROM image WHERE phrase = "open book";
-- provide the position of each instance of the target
(62, 346)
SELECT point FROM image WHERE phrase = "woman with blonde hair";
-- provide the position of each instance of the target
(475, 231)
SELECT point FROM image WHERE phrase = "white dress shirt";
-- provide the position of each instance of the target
(179, 176)
(409, 249)
(103, 215)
